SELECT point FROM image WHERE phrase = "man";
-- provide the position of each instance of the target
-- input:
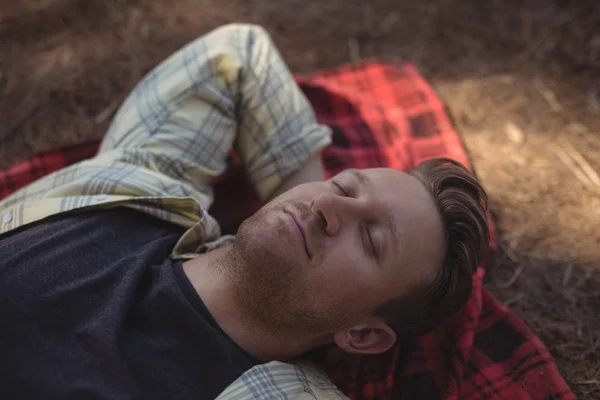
(116, 283)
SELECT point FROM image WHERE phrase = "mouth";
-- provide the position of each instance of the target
(300, 231)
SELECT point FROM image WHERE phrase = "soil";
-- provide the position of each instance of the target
(521, 79)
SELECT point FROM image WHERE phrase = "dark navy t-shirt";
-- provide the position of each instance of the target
(92, 307)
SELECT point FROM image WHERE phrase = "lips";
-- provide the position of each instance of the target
(301, 231)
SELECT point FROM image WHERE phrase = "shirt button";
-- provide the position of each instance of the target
(7, 217)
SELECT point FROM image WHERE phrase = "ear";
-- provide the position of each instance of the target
(372, 337)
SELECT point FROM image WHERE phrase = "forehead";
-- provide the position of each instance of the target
(401, 193)
(397, 190)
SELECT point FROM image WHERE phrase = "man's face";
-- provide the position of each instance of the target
(324, 255)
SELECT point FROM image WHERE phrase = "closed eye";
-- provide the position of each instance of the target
(371, 242)
(340, 189)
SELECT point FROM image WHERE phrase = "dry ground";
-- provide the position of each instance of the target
(521, 79)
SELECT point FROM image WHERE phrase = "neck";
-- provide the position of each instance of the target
(210, 274)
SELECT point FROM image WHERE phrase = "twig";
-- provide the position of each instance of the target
(570, 164)
(593, 102)
(588, 273)
(534, 47)
(592, 382)
(368, 18)
(512, 279)
(515, 134)
(509, 253)
(527, 25)
(354, 49)
(388, 22)
(513, 237)
(548, 95)
(567, 275)
(513, 300)
(24, 118)
(592, 138)
(462, 101)
(582, 162)
(107, 112)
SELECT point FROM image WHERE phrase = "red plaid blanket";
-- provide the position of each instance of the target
(385, 115)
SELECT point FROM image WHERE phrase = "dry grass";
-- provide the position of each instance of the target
(521, 79)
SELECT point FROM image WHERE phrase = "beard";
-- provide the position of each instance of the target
(272, 286)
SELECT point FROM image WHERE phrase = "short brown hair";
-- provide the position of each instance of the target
(462, 203)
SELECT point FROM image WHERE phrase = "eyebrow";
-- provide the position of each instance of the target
(360, 176)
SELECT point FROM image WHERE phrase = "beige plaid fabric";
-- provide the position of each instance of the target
(276, 380)
(227, 90)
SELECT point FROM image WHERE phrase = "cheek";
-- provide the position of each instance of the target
(344, 255)
(346, 277)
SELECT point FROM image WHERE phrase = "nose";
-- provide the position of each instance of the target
(335, 211)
